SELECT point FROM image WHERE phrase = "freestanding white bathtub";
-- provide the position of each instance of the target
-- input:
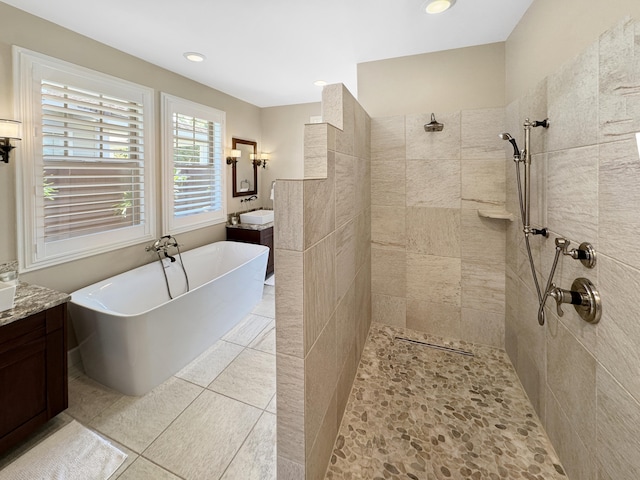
(133, 337)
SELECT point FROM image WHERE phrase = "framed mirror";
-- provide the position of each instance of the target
(244, 170)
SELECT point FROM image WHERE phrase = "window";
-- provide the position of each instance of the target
(193, 175)
(86, 167)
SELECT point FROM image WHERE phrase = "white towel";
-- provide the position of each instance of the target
(273, 186)
(72, 453)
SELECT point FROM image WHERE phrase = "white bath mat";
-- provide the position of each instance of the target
(72, 453)
(271, 280)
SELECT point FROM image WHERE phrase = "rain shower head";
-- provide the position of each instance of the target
(512, 141)
(434, 125)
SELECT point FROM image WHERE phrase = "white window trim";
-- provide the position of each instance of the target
(171, 225)
(27, 65)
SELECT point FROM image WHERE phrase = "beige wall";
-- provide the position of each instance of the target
(552, 32)
(323, 286)
(20, 28)
(283, 138)
(449, 81)
(582, 378)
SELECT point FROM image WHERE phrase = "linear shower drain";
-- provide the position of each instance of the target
(436, 347)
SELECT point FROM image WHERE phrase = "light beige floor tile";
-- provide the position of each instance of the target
(266, 308)
(201, 443)
(250, 378)
(88, 398)
(143, 469)
(266, 340)
(131, 457)
(273, 406)
(244, 333)
(204, 369)
(137, 421)
(256, 460)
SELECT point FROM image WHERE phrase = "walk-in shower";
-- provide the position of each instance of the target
(583, 294)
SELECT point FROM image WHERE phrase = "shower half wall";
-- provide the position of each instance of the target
(323, 284)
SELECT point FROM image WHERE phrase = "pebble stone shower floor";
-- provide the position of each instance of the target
(424, 413)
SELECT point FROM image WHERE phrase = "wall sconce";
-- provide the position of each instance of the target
(9, 130)
(265, 157)
(259, 160)
(233, 159)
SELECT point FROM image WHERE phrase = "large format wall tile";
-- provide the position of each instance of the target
(433, 231)
(479, 133)
(568, 444)
(423, 145)
(432, 317)
(571, 375)
(345, 188)
(534, 107)
(483, 286)
(345, 257)
(618, 200)
(388, 182)
(387, 138)
(619, 330)
(319, 288)
(619, 96)
(572, 193)
(618, 430)
(483, 183)
(320, 365)
(483, 327)
(316, 141)
(389, 310)
(288, 229)
(290, 404)
(572, 102)
(389, 272)
(482, 239)
(319, 207)
(432, 278)
(388, 226)
(433, 183)
(289, 267)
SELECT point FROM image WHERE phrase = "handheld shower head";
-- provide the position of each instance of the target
(512, 141)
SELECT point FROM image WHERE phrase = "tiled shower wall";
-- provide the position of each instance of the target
(437, 266)
(323, 284)
(583, 379)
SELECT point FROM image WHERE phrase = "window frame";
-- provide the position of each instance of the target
(30, 68)
(172, 224)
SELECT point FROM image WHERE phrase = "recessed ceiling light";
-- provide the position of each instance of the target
(194, 56)
(319, 83)
(438, 6)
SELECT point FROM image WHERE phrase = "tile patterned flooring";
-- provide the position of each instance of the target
(213, 420)
(422, 413)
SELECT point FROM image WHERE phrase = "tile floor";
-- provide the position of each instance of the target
(422, 413)
(213, 420)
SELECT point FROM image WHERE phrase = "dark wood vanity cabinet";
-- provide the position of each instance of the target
(261, 237)
(33, 373)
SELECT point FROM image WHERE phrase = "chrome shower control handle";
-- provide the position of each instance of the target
(583, 296)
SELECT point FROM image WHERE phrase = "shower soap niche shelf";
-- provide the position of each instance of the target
(496, 214)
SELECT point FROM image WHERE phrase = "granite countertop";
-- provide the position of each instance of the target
(251, 226)
(32, 299)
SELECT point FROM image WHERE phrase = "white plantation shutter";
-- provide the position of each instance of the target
(193, 158)
(87, 167)
(93, 160)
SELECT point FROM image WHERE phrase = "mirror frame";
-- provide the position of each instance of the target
(236, 193)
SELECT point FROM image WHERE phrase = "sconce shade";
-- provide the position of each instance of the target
(10, 129)
(265, 156)
(236, 153)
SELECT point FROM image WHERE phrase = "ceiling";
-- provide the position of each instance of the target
(269, 53)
